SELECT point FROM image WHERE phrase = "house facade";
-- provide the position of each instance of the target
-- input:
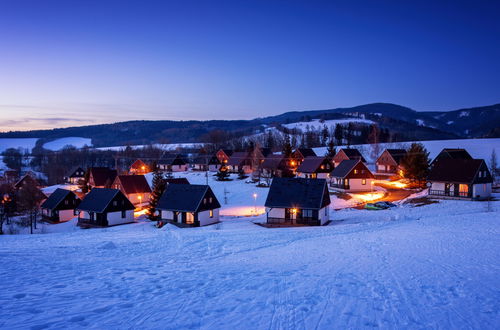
(134, 187)
(189, 205)
(298, 201)
(389, 162)
(60, 206)
(468, 179)
(347, 154)
(299, 155)
(75, 175)
(105, 207)
(206, 163)
(352, 176)
(273, 166)
(315, 168)
(139, 168)
(172, 163)
(223, 155)
(101, 177)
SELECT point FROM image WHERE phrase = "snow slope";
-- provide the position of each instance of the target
(78, 142)
(478, 148)
(435, 266)
(23, 143)
(316, 124)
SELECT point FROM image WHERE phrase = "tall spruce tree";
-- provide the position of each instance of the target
(416, 164)
(159, 185)
(287, 147)
(330, 150)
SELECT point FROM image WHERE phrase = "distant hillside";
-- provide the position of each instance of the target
(405, 122)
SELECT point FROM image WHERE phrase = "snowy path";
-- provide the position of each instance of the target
(436, 266)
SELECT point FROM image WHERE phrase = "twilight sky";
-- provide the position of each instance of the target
(66, 63)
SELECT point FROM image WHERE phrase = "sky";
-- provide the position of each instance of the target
(71, 63)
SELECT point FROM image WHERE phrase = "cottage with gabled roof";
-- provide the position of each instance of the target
(139, 167)
(101, 177)
(389, 162)
(298, 201)
(135, 187)
(26, 180)
(206, 162)
(75, 175)
(60, 206)
(273, 166)
(300, 154)
(105, 207)
(460, 179)
(172, 163)
(352, 176)
(190, 205)
(240, 161)
(223, 155)
(315, 168)
(347, 154)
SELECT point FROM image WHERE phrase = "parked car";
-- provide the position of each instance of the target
(379, 205)
(372, 206)
(386, 204)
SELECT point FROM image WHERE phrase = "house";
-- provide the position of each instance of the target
(299, 155)
(190, 205)
(352, 176)
(60, 206)
(273, 166)
(347, 154)
(105, 207)
(75, 175)
(223, 155)
(390, 161)
(460, 179)
(206, 162)
(315, 168)
(26, 180)
(240, 161)
(298, 201)
(101, 177)
(139, 168)
(449, 153)
(172, 163)
(135, 187)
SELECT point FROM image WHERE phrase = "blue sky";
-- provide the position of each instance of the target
(68, 63)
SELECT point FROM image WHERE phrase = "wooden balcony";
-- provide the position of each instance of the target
(340, 186)
(299, 221)
(452, 194)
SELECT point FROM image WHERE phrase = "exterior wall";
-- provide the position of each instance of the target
(167, 215)
(65, 215)
(179, 168)
(134, 198)
(481, 190)
(204, 217)
(213, 168)
(437, 186)
(115, 218)
(356, 185)
(324, 216)
(275, 213)
(323, 175)
(74, 180)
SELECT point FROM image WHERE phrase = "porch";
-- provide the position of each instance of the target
(451, 194)
(293, 222)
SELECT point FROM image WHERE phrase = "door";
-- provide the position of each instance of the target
(291, 215)
(455, 190)
(447, 187)
(175, 216)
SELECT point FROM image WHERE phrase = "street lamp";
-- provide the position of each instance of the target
(255, 202)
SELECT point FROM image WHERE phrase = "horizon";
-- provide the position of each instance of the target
(94, 62)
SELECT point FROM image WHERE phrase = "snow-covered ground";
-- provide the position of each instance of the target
(478, 148)
(168, 146)
(58, 144)
(316, 124)
(22, 143)
(436, 266)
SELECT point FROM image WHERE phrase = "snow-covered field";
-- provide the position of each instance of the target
(22, 143)
(168, 146)
(58, 144)
(436, 266)
(317, 125)
(478, 148)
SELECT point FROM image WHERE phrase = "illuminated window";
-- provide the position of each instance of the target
(211, 213)
(355, 171)
(363, 182)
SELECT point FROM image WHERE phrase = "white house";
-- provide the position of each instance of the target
(352, 176)
(105, 207)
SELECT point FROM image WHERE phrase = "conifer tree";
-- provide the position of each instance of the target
(287, 147)
(330, 150)
(416, 164)
(159, 185)
(222, 173)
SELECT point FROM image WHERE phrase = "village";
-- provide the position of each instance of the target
(291, 188)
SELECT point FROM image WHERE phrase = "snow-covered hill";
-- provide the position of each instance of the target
(435, 266)
(478, 148)
(22, 143)
(58, 144)
(316, 124)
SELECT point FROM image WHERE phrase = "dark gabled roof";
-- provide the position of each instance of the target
(206, 160)
(72, 173)
(454, 154)
(306, 152)
(98, 199)
(455, 170)
(172, 159)
(177, 181)
(298, 193)
(238, 157)
(228, 152)
(344, 168)
(185, 198)
(397, 154)
(138, 163)
(134, 184)
(273, 162)
(102, 174)
(55, 198)
(353, 154)
(310, 164)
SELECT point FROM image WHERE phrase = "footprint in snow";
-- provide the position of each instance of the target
(77, 319)
(19, 295)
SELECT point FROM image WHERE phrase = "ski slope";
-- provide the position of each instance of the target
(435, 266)
(77, 142)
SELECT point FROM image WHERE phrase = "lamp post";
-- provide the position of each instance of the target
(255, 202)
